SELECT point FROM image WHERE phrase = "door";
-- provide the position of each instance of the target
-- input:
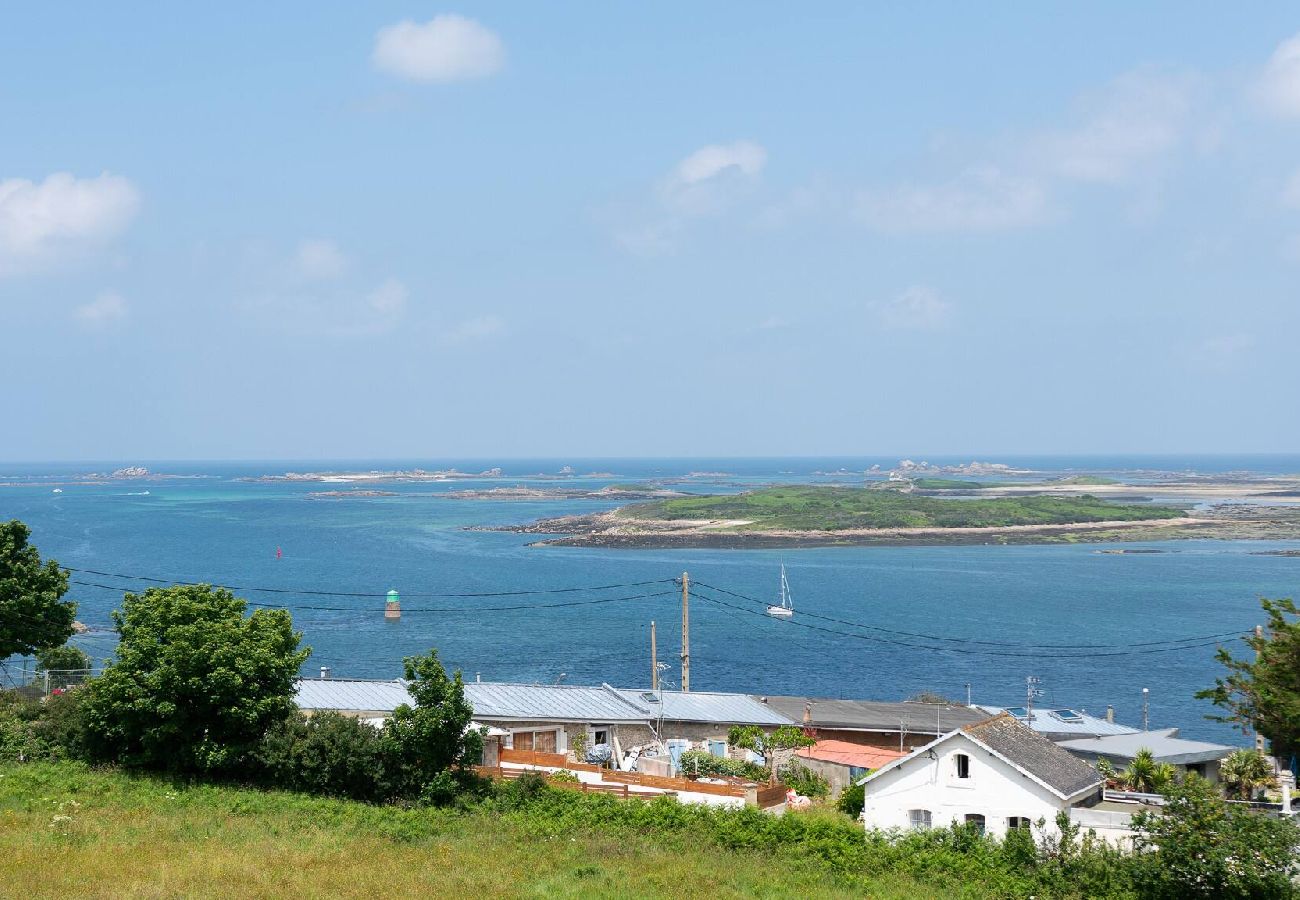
(523, 740)
(544, 741)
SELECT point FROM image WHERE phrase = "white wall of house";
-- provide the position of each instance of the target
(992, 789)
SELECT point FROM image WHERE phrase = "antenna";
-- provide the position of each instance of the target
(1031, 691)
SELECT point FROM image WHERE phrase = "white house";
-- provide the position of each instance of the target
(997, 774)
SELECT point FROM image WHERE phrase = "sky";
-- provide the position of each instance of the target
(400, 230)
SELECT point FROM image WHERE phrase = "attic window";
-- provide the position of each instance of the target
(649, 697)
(963, 765)
(1067, 715)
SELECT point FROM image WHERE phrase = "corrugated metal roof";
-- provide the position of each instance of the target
(349, 694)
(847, 754)
(1164, 745)
(553, 702)
(708, 706)
(1064, 723)
(878, 715)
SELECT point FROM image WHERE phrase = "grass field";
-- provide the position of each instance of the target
(67, 831)
(820, 508)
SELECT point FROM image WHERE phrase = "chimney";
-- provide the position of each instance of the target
(324, 673)
(1110, 714)
(807, 712)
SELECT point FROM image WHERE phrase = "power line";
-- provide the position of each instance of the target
(935, 637)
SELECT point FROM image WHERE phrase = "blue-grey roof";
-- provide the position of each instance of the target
(497, 701)
(352, 695)
(1164, 745)
(1062, 723)
(708, 706)
(552, 702)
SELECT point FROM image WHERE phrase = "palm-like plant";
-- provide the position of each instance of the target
(1142, 773)
(1245, 770)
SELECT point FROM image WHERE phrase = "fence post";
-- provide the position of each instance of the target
(625, 792)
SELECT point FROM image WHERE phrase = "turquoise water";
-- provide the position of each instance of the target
(223, 530)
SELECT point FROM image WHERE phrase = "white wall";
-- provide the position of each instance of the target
(994, 790)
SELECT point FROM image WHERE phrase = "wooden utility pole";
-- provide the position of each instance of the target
(686, 632)
(1259, 738)
(654, 660)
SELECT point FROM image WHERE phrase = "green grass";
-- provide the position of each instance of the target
(835, 508)
(69, 831)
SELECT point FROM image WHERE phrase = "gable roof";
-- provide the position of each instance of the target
(878, 715)
(1062, 723)
(1023, 749)
(1164, 745)
(350, 694)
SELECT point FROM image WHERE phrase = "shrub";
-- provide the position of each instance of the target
(803, 780)
(852, 800)
(34, 730)
(328, 754)
(702, 764)
(565, 776)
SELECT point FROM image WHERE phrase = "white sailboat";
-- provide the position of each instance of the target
(786, 609)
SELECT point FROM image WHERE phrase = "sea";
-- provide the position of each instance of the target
(1091, 629)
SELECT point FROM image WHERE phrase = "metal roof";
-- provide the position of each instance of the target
(847, 754)
(552, 702)
(1062, 723)
(549, 702)
(349, 694)
(878, 715)
(1164, 745)
(707, 706)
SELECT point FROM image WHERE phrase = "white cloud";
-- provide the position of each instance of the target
(446, 48)
(1291, 190)
(389, 298)
(1136, 118)
(981, 199)
(40, 220)
(708, 181)
(744, 157)
(919, 308)
(105, 308)
(319, 259)
(474, 329)
(1278, 88)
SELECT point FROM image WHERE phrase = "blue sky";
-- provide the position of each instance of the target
(402, 230)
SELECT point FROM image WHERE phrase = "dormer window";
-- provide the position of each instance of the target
(963, 765)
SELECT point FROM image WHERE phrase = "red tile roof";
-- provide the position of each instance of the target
(848, 754)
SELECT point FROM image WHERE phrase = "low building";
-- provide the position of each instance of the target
(560, 718)
(842, 763)
(1165, 745)
(997, 774)
(876, 723)
(1062, 723)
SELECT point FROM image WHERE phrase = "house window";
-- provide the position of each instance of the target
(963, 765)
(977, 820)
(1014, 822)
(541, 741)
(599, 736)
(919, 819)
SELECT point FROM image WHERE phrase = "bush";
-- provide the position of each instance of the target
(852, 800)
(702, 764)
(328, 754)
(33, 730)
(803, 780)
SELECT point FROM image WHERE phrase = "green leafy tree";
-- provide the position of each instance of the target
(196, 683)
(1263, 694)
(431, 745)
(327, 754)
(783, 740)
(66, 665)
(1198, 846)
(1244, 771)
(852, 800)
(33, 613)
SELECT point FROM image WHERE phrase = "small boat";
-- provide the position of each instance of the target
(786, 609)
(57, 491)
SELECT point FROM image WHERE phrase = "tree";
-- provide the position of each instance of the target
(1263, 694)
(1146, 775)
(196, 682)
(1197, 846)
(1245, 770)
(33, 613)
(66, 665)
(784, 739)
(430, 746)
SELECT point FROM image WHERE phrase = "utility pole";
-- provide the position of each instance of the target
(1259, 738)
(1146, 718)
(968, 693)
(686, 633)
(654, 660)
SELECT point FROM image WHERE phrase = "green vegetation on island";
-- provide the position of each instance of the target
(820, 508)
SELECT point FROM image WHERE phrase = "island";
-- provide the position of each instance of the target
(831, 515)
